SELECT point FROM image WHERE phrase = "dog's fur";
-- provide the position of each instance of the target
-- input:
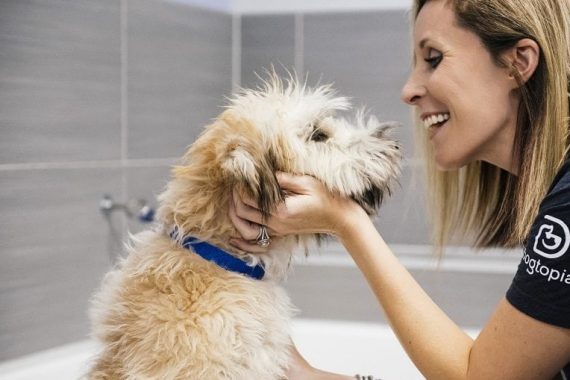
(166, 313)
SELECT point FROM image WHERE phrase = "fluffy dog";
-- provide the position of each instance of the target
(168, 313)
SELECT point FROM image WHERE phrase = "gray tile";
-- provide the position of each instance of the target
(266, 41)
(59, 80)
(366, 55)
(342, 293)
(403, 217)
(467, 298)
(332, 293)
(178, 73)
(53, 250)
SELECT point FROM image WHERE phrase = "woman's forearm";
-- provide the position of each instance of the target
(437, 346)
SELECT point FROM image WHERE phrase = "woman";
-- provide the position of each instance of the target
(497, 73)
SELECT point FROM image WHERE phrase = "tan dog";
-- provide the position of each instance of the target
(166, 312)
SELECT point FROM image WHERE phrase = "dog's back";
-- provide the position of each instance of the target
(166, 313)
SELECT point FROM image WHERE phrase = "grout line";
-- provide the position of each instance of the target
(103, 164)
(124, 81)
(236, 52)
(124, 100)
(99, 164)
(299, 45)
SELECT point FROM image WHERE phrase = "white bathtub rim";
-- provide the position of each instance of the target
(308, 335)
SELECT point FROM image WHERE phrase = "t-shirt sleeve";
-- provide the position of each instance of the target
(541, 286)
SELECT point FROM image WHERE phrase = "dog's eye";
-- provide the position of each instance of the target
(318, 135)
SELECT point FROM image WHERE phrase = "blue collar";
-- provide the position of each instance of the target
(218, 256)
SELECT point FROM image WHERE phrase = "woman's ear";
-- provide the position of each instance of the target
(522, 60)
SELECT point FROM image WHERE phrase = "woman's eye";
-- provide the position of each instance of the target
(434, 58)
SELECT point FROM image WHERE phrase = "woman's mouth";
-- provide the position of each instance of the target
(436, 120)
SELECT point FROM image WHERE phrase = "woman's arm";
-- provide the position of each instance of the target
(511, 345)
(435, 344)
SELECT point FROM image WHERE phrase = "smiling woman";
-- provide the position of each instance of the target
(490, 87)
(488, 71)
(500, 73)
(455, 76)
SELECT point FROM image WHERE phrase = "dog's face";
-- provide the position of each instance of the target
(294, 129)
(280, 127)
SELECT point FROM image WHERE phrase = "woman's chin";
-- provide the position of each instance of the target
(444, 163)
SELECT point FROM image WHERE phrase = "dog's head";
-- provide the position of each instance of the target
(283, 126)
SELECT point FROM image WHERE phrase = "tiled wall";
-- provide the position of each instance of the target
(95, 97)
(102, 97)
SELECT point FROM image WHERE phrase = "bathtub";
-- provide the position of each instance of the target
(337, 346)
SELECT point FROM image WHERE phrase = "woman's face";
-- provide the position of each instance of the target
(464, 99)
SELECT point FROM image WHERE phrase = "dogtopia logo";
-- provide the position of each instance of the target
(552, 239)
(535, 266)
(551, 242)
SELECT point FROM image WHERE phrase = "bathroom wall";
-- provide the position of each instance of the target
(101, 97)
(95, 97)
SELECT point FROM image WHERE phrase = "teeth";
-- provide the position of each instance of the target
(434, 119)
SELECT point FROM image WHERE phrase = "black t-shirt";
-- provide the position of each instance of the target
(541, 287)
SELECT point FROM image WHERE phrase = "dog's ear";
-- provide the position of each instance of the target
(253, 172)
(250, 164)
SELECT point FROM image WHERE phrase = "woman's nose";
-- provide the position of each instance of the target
(412, 90)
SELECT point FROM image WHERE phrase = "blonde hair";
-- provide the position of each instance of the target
(484, 203)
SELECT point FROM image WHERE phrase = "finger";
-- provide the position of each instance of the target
(248, 246)
(244, 199)
(248, 220)
(255, 227)
(292, 182)
(247, 230)
(247, 212)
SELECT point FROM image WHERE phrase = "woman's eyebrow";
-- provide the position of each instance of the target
(423, 42)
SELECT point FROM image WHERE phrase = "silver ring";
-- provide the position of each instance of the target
(263, 239)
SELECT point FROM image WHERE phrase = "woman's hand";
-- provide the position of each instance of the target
(308, 208)
(300, 369)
